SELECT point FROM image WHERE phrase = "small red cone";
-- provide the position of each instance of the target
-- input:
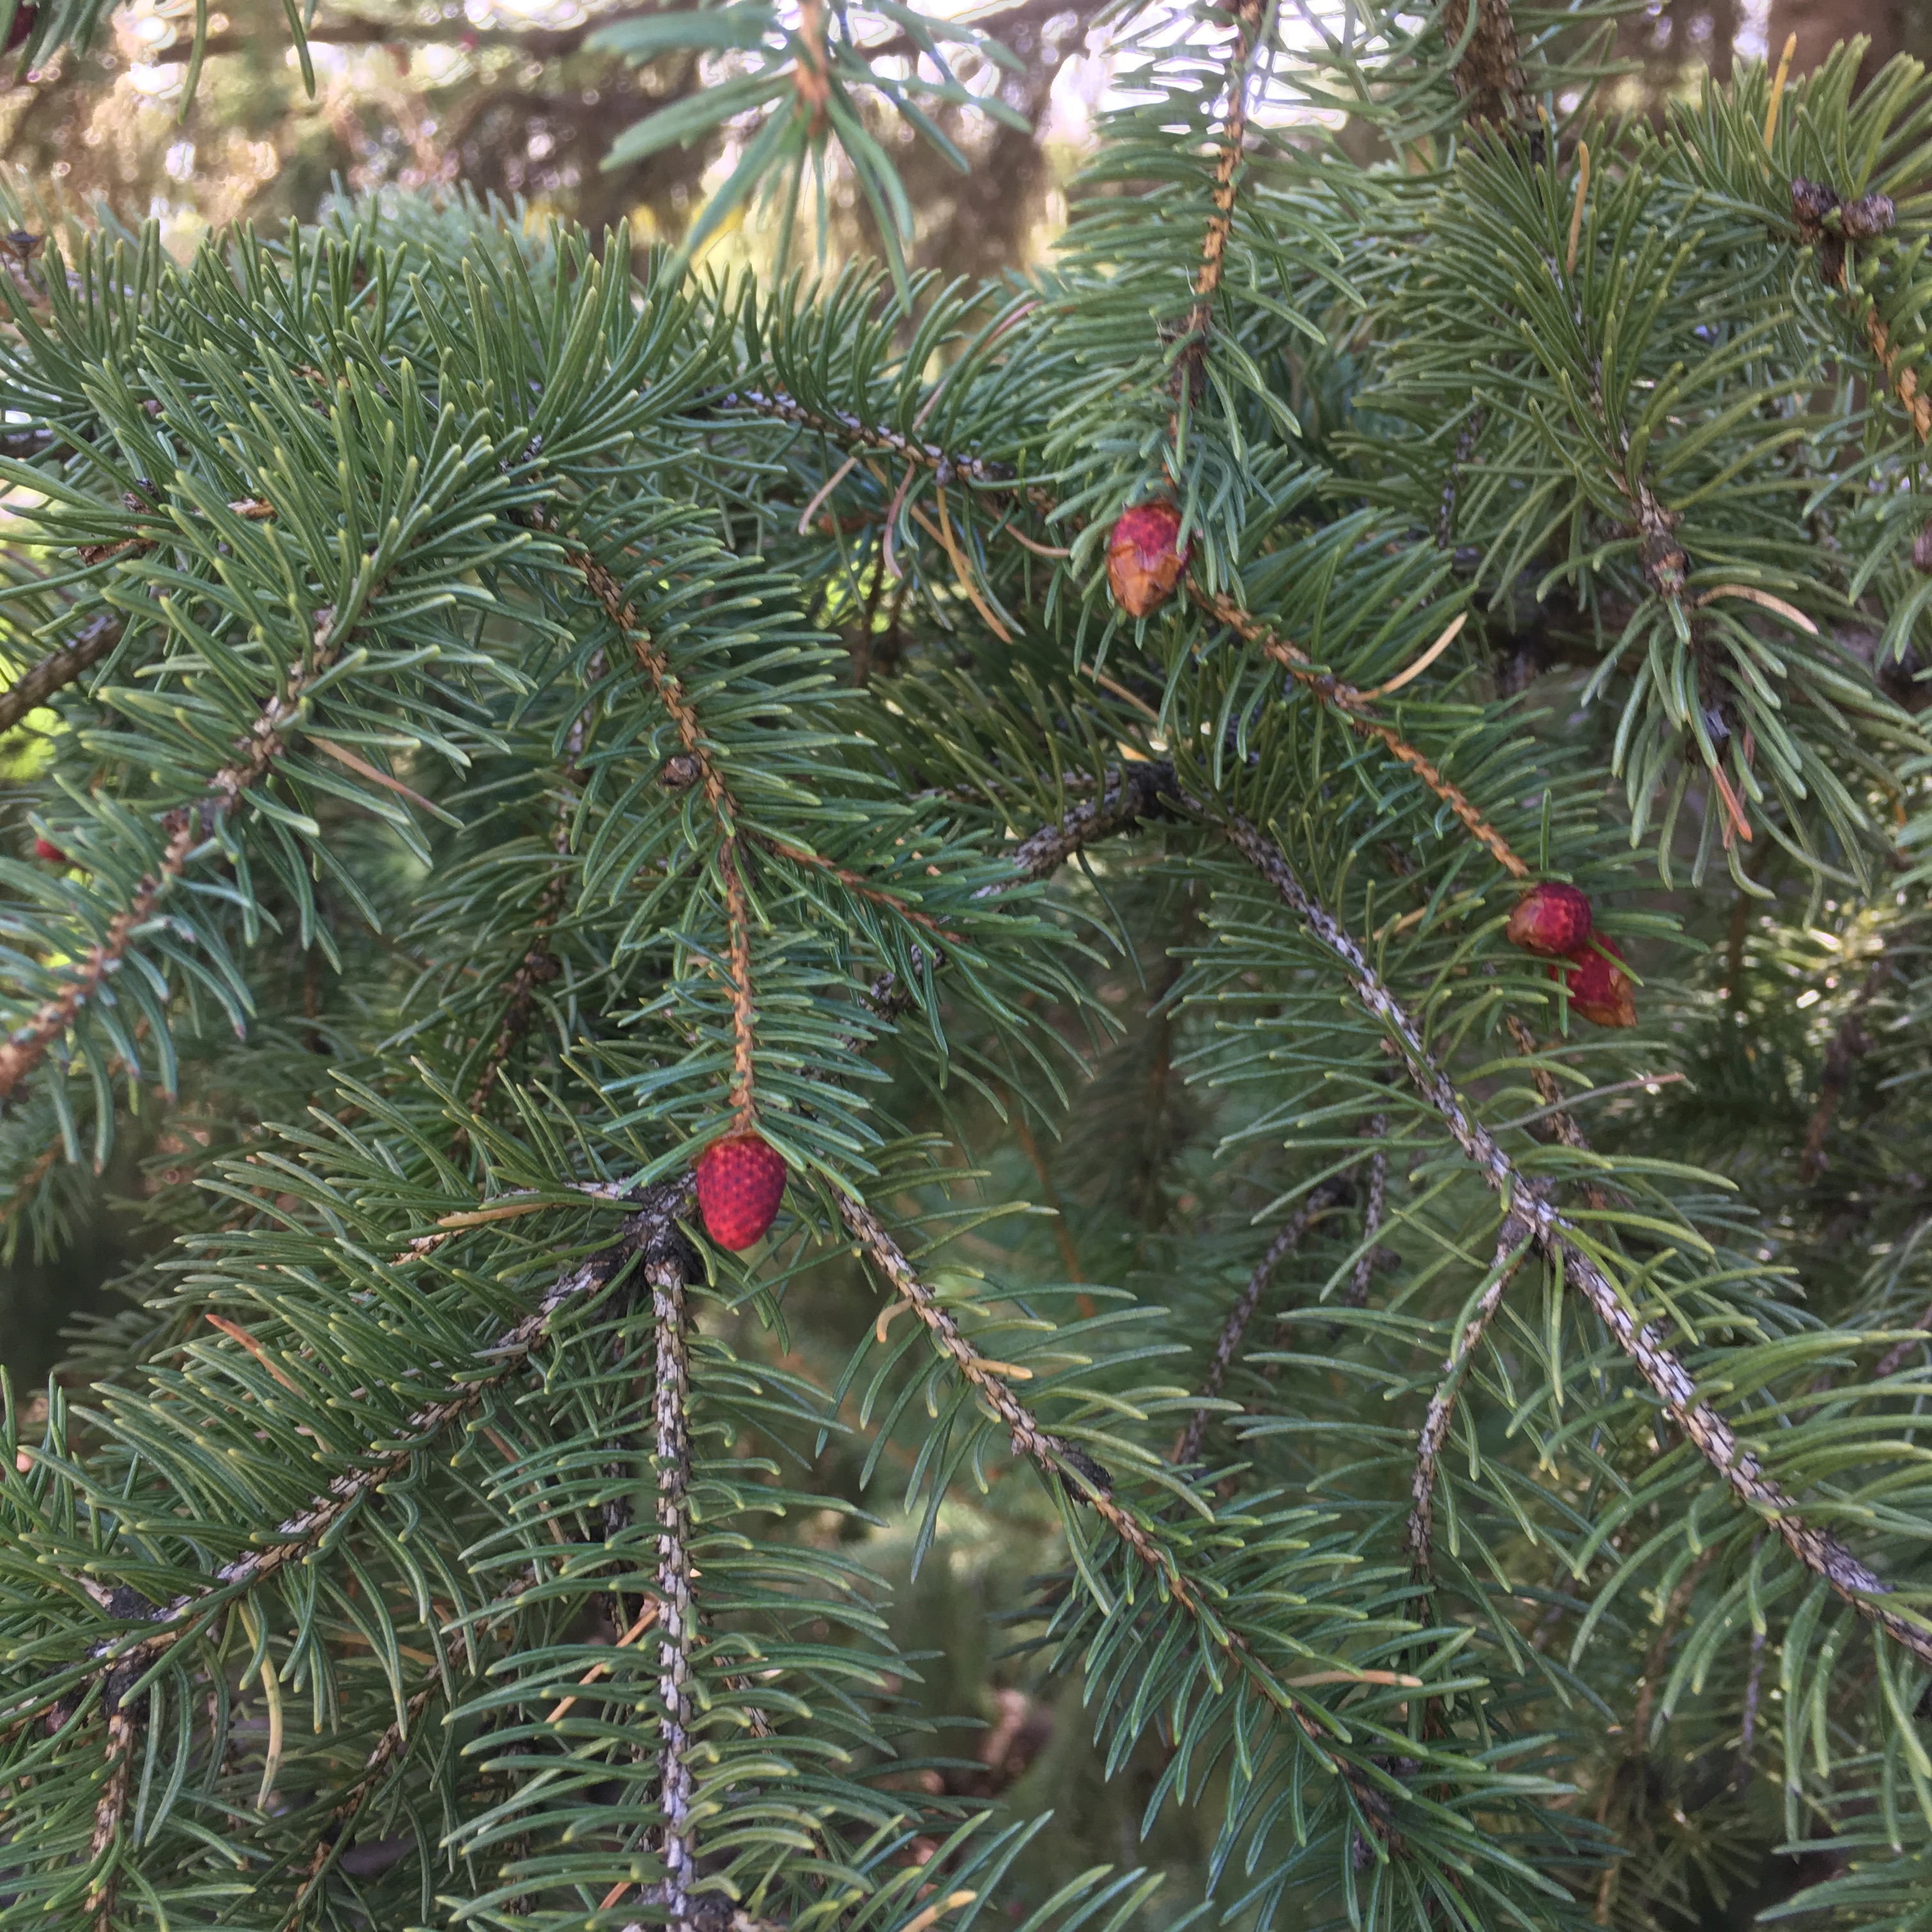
(1143, 562)
(1551, 919)
(1600, 992)
(741, 1180)
(45, 848)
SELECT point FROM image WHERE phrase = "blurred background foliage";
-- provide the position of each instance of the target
(515, 103)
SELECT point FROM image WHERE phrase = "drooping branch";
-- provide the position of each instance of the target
(186, 826)
(672, 1457)
(59, 668)
(1711, 1435)
(1187, 1446)
(1352, 705)
(1083, 1478)
(1247, 15)
(652, 1232)
(1511, 1242)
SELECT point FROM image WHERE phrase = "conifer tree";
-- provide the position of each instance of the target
(605, 833)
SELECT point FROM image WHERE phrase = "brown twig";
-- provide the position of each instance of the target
(1351, 705)
(1187, 1444)
(1562, 1124)
(1246, 15)
(1489, 73)
(34, 687)
(1713, 1437)
(609, 592)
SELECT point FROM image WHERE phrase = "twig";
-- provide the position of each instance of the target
(604, 587)
(350, 1807)
(1356, 1295)
(666, 1275)
(1247, 18)
(1512, 1240)
(1130, 794)
(1084, 1478)
(1709, 1433)
(1187, 1445)
(34, 687)
(1562, 1122)
(1350, 704)
(185, 825)
(1488, 74)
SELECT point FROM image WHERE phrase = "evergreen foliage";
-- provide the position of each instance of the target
(498, 714)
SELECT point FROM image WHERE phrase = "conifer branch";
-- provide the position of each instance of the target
(186, 826)
(1246, 15)
(34, 686)
(1665, 569)
(1511, 1243)
(24, 1051)
(1131, 793)
(603, 586)
(1350, 704)
(841, 427)
(1319, 1200)
(336, 1833)
(1710, 1434)
(672, 1456)
(1489, 73)
(1084, 1478)
(652, 1232)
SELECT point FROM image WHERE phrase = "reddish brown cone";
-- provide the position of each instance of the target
(1600, 992)
(45, 848)
(741, 1180)
(1551, 919)
(1143, 562)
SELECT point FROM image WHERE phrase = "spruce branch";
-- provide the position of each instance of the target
(608, 592)
(1082, 1478)
(841, 427)
(28, 1047)
(1227, 1345)
(672, 1458)
(34, 687)
(186, 826)
(652, 1232)
(1710, 1434)
(1488, 69)
(1246, 15)
(338, 1831)
(1351, 705)
(1512, 1244)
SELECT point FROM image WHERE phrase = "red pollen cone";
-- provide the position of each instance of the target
(1551, 919)
(741, 1180)
(1143, 562)
(45, 848)
(1599, 991)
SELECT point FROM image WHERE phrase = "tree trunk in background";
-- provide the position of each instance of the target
(1892, 26)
